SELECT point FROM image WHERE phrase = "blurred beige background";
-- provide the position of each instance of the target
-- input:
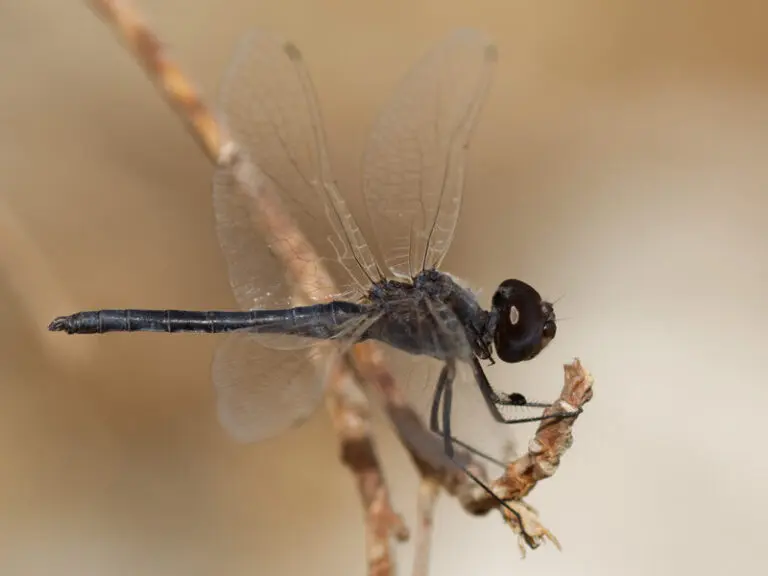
(621, 161)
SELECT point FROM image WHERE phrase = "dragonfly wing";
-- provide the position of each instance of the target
(262, 391)
(414, 166)
(279, 182)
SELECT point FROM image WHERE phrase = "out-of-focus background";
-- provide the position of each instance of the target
(622, 160)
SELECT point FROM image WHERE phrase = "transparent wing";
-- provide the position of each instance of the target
(262, 392)
(279, 182)
(413, 173)
(472, 425)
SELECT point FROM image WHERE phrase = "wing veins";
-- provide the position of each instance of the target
(467, 122)
(331, 192)
(413, 167)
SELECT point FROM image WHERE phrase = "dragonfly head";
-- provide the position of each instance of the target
(522, 323)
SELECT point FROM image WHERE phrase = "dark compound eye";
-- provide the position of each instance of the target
(550, 329)
(517, 399)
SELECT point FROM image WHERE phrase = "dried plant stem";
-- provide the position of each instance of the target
(351, 425)
(172, 83)
(552, 440)
(349, 416)
(351, 420)
(429, 490)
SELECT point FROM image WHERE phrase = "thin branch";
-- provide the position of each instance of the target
(350, 421)
(349, 416)
(429, 490)
(545, 450)
(172, 83)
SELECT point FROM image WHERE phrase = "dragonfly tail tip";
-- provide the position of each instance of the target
(59, 324)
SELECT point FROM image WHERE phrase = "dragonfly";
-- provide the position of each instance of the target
(434, 332)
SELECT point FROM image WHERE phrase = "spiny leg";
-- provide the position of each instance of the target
(436, 398)
(445, 383)
(434, 424)
(493, 400)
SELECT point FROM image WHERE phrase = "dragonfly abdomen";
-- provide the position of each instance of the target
(318, 321)
(102, 321)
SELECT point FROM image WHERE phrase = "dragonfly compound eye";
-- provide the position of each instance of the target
(525, 322)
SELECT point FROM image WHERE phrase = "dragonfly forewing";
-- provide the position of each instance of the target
(282, 224)
(415, 161)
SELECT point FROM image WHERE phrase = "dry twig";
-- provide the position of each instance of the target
(350, 416)
(429, 489)
(541, 461)
(350, 420)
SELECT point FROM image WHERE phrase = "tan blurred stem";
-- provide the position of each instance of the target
(350, 421)
(429, 490)
(350, 418)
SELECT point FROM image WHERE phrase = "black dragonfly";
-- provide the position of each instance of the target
(432, 327)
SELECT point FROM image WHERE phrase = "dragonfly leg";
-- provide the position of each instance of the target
(445, 388)
(493, 400)
(444, 393)
(434, 411)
